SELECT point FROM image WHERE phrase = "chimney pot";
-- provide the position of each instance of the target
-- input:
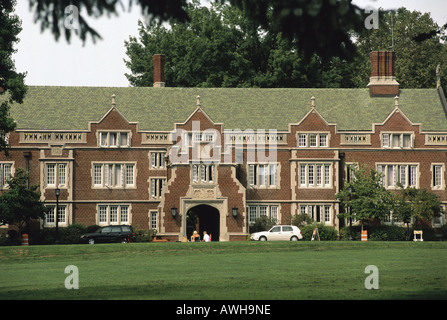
(158, 61)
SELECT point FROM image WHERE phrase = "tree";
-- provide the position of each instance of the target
(321, 27)
(11, 82)
(220, 47)
(20, 204)
(416, 206)
(417, 54)
(365, 196)
(56, 14)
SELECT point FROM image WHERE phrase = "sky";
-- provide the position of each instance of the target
(57, 63)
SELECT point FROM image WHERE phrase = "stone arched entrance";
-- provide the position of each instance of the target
(203, 218)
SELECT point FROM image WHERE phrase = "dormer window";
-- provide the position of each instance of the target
(397, 140)
(313, 140)
(111, 139)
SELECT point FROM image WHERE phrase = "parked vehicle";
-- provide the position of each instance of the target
(292, 233)
(123, 234)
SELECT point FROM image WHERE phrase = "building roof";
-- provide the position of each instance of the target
(157, 109)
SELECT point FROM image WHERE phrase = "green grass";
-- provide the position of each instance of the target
(226, 270)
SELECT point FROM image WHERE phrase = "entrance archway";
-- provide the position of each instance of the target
(203, 218)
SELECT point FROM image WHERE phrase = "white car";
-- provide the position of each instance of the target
(292, 233)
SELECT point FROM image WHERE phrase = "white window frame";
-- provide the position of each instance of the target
(263, 175)
(157, 159)
(157, 184)
(315, 175)
(50, 218)
(56, 174)
(203, 173)
(153, 220)
(6, 172)
(313, 139)
(395, 140)
(113, 175)
(106, 140)
(405, 173)
(255, 211)
(325, 212)
(438, 173)
(113, 214)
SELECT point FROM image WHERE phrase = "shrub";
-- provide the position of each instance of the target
(443, 230)
(144, 235)
(327, 233)
(93, 228)
(263, 223)
(375, 233)
(71, 234)
(387, 233)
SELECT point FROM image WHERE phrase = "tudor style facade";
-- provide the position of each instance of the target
(179, 159)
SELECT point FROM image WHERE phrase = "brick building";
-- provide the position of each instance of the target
(215, 159)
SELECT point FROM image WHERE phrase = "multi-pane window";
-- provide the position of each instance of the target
(114, 139)
(313, 140)
(153, 219)
(157, 160)
(314, 175)
(113, 175)
(263, 175)
(157, 185)
(392, 174)
(437, 179)
(318, 213)
(55, 174)
(189, 137)
(113, 214)
(5, 174)
(50, 218)
(397, 140)
(203, 173)
(256, 211)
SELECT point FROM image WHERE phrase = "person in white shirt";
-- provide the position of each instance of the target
(206, 237)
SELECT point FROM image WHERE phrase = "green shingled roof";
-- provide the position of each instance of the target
(72, 108)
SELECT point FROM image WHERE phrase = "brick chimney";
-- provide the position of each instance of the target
(382, 81)
(158, 61)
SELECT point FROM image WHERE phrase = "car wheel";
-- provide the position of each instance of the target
(293, 238)
(91, 241)
(262, 239)
(123, 240)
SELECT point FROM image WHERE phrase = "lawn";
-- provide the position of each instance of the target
(226, 270)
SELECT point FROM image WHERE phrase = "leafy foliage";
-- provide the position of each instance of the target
(326, 233)
(365, 197)
(52, 14)
(20, 204)
(11, 82)
(220, 47)
(416, 206)
(417, 54)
